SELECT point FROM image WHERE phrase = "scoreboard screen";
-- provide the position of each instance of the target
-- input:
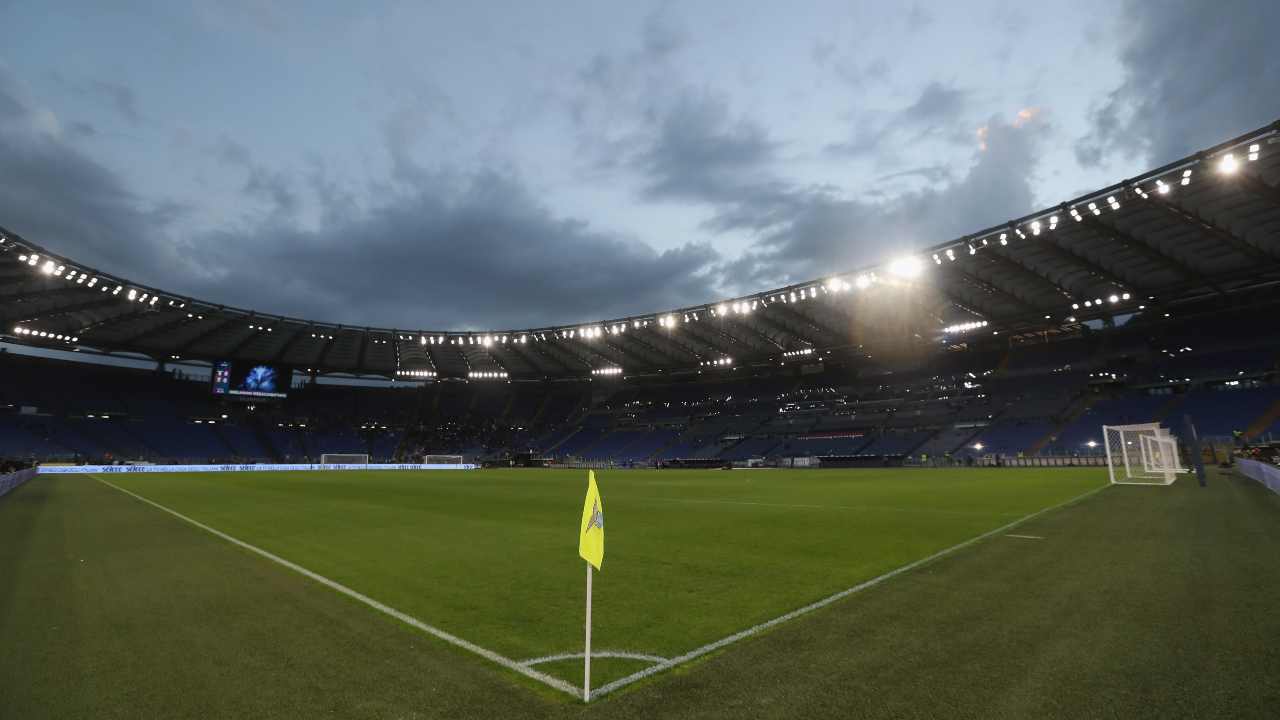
(251, 381)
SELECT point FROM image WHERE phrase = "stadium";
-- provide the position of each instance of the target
(1030, 471)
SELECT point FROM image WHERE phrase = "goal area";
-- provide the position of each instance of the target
(1143, 454)
(442, 459)
(344, 459)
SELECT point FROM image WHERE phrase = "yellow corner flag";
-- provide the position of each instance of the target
(591, 540)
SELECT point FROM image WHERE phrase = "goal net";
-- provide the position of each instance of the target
(443, 460)
(344, 459)
(1143, 454)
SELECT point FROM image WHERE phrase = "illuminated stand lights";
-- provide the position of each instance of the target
(718, 362)
(487, 375)
(607, 371)
(416, 373)
(797, 353)
(964, 327)
(29, 332)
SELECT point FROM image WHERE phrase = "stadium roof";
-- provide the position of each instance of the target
(1205, 226)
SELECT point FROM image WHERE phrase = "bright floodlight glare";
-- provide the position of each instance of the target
(1228, 164)
(907, 267)
(862, 282)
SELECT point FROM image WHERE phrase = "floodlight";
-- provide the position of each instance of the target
(862, 282)
(48, 267)
(907, 267)
(1228, 164)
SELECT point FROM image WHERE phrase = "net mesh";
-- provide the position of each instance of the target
(1141, 454)
(344, 459)
(443, 460)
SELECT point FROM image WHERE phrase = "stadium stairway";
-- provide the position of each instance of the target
(1073, 413)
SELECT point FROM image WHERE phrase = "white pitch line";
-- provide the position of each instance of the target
(756, 629)
(801, 506)
(594, 654)
(450, 638)
(1024, 537)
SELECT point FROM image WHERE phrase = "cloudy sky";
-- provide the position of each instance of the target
(486, 165)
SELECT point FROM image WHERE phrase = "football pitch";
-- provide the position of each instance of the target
(136, 575)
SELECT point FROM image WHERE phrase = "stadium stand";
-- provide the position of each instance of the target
(1150, 300)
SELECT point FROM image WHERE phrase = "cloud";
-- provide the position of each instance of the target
(937, 111)
(437, 251)
(119, 97)
(702, 154)
(1192, 75)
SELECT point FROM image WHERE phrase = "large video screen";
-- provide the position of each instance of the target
(251, 381)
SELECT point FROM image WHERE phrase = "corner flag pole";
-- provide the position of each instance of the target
(586, 656)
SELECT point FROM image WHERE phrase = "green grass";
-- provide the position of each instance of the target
(1139, 601)
(691, 557)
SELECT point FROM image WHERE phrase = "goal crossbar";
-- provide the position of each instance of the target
(1141, 454)
(344, 459)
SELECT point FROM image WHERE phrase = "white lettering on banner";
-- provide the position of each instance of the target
(94, 469)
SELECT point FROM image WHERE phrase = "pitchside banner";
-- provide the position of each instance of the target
(87, 469)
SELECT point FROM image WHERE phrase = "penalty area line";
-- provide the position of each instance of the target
(405, 618)
(757, 629)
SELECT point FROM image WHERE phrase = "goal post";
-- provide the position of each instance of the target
(442, 459)
(1143, 454)
(344, 459)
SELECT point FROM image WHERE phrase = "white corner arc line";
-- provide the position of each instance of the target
(620, 654)
(450, 638)
(756, 629)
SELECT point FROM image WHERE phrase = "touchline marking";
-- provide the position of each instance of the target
(1025, 537)
(756, 629)
(506, 662)
(873, 508)
(594, 654)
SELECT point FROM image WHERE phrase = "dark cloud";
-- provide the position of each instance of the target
(662, 36)
(936, 112)
(801, 231)
(1194, 72)
(119, 97)
(433, 251)
(918, 18)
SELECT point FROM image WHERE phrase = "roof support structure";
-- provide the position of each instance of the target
(988, 288)
(291, 342)
(62, 309)
(364, 345)
(1021, 270)
(1148, 250)
(1068, 254)
(1206, 226)
(803, 320)
(325, 347)
(1259, 188)
(210, 332)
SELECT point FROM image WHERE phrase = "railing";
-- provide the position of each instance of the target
(1268, 475)
(13, 480)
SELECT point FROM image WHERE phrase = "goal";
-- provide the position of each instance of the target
(1144, 454)
(443, 460)
(344, 459)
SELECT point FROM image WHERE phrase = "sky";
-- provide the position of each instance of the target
(503, 165)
